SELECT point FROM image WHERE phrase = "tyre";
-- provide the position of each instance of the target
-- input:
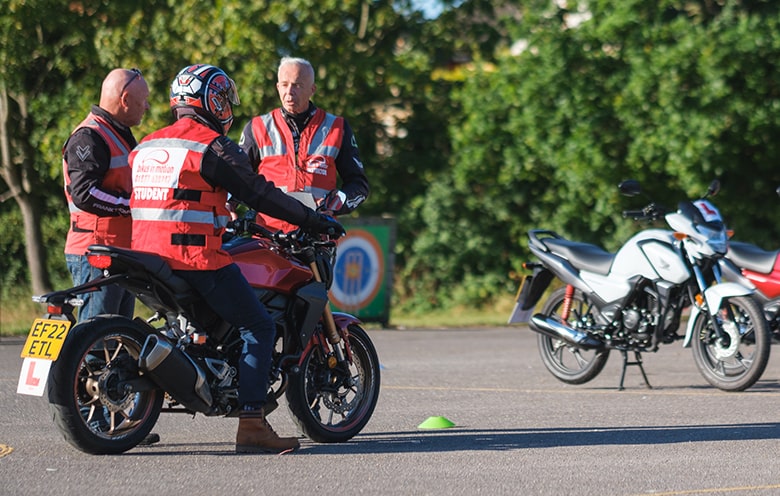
(567, 362)
(91, 408)
(331, 405)
(736, 361)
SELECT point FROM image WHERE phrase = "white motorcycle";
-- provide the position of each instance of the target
(634, 300)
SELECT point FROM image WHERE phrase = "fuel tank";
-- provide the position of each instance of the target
(649, 254)
(264, 267)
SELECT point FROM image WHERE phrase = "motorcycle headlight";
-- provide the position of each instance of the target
(716, 239)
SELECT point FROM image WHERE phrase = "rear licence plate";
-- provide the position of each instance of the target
(45, 339)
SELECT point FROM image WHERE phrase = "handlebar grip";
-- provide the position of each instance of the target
(247, 226)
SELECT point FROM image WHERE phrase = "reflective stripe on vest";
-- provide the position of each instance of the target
(312, 171)
(176, 213)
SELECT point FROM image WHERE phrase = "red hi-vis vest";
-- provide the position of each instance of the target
(87, 228)
(313, 170)
(176, 213)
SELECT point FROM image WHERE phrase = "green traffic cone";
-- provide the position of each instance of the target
(436, 423)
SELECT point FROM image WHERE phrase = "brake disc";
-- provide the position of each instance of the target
(112, 398)
(338, 402)
(723, 352)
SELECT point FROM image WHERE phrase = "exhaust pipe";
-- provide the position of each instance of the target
(176, 373)
(552, 326)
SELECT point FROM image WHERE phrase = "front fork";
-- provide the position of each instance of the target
(332, 351)
(335, 351)
(332, 333)
(709, 299)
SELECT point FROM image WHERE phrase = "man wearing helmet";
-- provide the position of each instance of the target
(302, 148)
(97, 185)
(182, 175)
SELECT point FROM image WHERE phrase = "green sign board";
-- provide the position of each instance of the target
(363, 273)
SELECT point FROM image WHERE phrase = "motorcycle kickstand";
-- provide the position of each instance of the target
(638, 362)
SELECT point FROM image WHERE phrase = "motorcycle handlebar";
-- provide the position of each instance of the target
(247, 226)
(634, 214)
(291, 239)
(650, 212)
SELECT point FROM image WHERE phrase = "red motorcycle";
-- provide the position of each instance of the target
(110, 377)
(762, 269)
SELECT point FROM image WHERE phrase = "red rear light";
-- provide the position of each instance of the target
(54, 310)
(99, 261)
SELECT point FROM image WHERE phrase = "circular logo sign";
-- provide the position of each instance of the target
(357, 274)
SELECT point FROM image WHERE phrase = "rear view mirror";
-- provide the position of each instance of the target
(629, 187)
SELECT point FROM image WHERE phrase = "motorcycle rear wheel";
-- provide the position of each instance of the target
(567, 362)
(331, 405)
(738, 360)
(90, 408)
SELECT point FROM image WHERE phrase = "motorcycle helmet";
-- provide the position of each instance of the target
(206, 90)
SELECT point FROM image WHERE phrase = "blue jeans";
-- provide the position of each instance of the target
(229, 294)
(109, 300)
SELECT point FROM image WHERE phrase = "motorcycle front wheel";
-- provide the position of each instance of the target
(91, 406)
(331, 404)
(735, 361)
(567, 362)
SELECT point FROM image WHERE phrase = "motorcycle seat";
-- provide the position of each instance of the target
(751, 257)
(149, 262)
(583, 256)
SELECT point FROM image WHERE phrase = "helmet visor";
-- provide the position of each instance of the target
(232, 93)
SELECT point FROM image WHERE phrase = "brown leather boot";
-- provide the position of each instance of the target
(255, 435)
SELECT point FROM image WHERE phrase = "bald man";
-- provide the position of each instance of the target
(98, 184)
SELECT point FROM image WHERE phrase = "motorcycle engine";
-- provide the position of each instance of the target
(638, 324)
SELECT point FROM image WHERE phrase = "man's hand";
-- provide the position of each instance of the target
(325, 224)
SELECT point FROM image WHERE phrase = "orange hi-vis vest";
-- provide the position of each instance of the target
(176, 213)
(87, 228)
(313, 170)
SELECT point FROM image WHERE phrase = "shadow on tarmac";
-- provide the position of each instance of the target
(464, 439)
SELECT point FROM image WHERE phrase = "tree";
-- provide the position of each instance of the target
(33, 76)
(672, 93)
(369, 65)
(365, 54)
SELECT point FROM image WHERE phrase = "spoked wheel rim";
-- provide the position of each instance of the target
(106, 407)
(737, 358)
(337, 396)
(331, 402)
(728, 357)
(568, 359)
(569, 363)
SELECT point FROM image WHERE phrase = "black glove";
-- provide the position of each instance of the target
(325, 224)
